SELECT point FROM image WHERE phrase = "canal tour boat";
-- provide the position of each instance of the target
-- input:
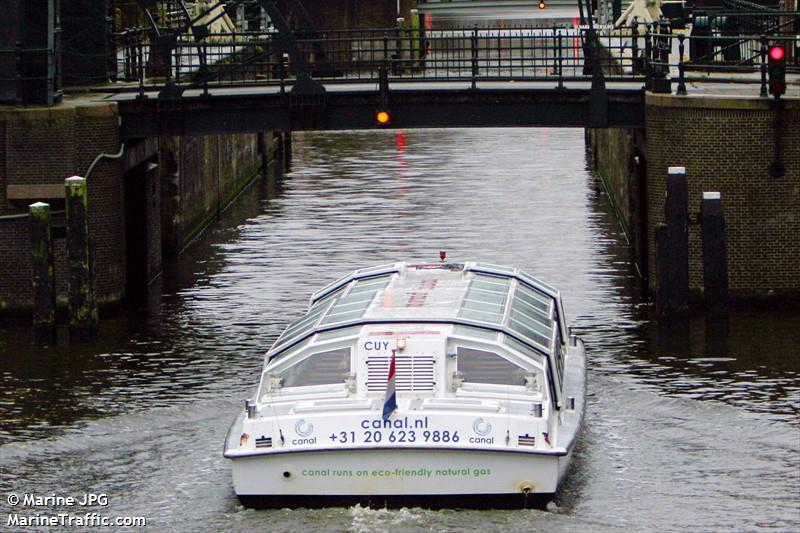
(432, 385)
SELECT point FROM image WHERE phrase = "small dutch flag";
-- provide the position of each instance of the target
(390, 399)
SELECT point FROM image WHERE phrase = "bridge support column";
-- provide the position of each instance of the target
(44, 288)
(82, 303)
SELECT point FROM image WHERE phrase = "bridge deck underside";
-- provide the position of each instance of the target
(346, 108)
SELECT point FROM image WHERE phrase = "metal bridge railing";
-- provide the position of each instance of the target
(641, 53)
(30, 74)
(734, 37)
(133, 54)
(523, 54)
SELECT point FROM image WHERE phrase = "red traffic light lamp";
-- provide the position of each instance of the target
(776, 68)
(542, 4)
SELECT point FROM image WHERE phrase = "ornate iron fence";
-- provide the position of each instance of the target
(640, 53)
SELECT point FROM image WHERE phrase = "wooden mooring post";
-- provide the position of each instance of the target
(672, 246)
(662, 278)
(43, 282)
(715, 259)
(82, 304)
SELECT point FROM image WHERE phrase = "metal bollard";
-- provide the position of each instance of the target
(250, 407)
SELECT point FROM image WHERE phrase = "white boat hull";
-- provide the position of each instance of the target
(432, 385)
(399, 477)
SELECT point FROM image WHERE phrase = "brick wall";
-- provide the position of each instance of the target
(14, 268)
(195, 179)
(43, 146)
(726, 145)
(97, 131)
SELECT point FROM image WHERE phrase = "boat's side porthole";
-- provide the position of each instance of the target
(287, 474)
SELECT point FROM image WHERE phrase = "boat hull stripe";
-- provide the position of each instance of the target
(548, 453)
(516, 500)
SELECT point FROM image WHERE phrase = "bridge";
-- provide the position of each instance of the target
(454, 77)
(213, 70)
(450, 78)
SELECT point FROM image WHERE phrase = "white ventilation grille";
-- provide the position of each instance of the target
(414, 372)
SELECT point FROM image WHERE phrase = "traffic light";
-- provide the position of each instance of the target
(777, 70)
(542, 4)
(383, 117)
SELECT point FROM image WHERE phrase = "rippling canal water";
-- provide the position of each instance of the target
(689, 429)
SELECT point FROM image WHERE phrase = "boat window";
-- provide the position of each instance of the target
(488, 296)
(478, 333)
(485, 299)
(327, 298)
(559, 353)
(319, 369)
(369, 284)
(353, 305)
(335, 318)
(489, 283)
(380, 269)
(281, 352)
(522, 328)
(301, 326)
(338, 333)
(533, 321)
(478, 366)
(535, 299)
(522, 348)
(538, 284)
(498, 269)
(332, 288)
(530, 316)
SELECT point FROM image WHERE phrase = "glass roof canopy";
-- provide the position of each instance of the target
(496, 299)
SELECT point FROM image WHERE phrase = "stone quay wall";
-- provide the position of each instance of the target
(39, 148)
(200, 176)
(727, 145)
(197, 177)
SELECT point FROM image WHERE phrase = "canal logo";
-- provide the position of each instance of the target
(303, 428)
(481, 427)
